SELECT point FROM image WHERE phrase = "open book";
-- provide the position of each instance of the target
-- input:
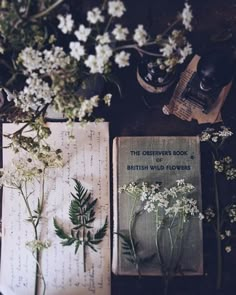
(86, 158)
(161, 160)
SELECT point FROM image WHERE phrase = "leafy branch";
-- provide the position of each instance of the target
(82, 215)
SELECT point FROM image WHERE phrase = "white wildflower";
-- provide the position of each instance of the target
(140, 35)
(168, 48)
(120, 33)
(209, 214)
(228, 233)
(66, 23)
(214, 138)
(222, 237)
(122, 59)
(228, 249)
(103, 52)
(103, 39)
(180, 182)
(20, 171)
(31, 59)
(82, 33)
(36, 93)
(87, 106)
(94, 64)
(186, 51)
(231, 174)
(53, 60)
(107, 99)
(37, 245)
(166, 110)
(187, 17)
(77, 50)
(95, 15)
(116, 8)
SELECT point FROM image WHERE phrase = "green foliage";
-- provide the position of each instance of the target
(82, 215)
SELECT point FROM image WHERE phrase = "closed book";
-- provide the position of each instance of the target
(159, 160)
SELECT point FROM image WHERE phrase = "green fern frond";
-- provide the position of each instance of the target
(82, 215)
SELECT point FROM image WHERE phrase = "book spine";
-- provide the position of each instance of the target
(115, 255)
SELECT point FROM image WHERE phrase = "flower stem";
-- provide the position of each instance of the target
(46, 11)
(218, 229)
(131, 223)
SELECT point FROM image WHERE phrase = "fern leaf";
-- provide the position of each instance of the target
(100, 234)
(68, 242)
(73, 212)
(59, 231)
(78, 243)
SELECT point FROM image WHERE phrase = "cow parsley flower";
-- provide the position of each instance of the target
(31, 59)
(140, 35)
(77, 50)
(186, 51)
(120, 33)
(95, 15)
(66, 23)
(122, 59)
(103, 39)
(82, 33)
(116, 8)
(187, 17)
(38, 245)
(107, 99)
(94, 64)
(36, 93)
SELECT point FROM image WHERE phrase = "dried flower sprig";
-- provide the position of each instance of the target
(221, 164)
(82, 215)
(18, 176)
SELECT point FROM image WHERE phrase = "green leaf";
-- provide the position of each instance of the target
(68, 242)
(100, 234)
(59, 231)
(78, 243)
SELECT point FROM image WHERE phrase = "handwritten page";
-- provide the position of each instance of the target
(86, 158)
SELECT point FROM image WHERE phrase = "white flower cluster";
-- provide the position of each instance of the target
(66, 23)
(20, 171)
(38, 245)
(142, 190)
(167, 202)
(209, 214)
(37, 91)
(232, 213)
(140, 35)
(174, 51)
(225, 166)
(43, 62)
(212, 135)
(187, 17)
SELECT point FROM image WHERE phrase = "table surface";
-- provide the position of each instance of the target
(139, 113)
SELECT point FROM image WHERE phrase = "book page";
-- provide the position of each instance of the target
(86, 159)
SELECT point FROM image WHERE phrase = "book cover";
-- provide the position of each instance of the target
(161, 160)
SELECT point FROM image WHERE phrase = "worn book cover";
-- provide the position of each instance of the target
(161, 160)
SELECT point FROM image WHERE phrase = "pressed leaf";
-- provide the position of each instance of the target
(59, 231)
